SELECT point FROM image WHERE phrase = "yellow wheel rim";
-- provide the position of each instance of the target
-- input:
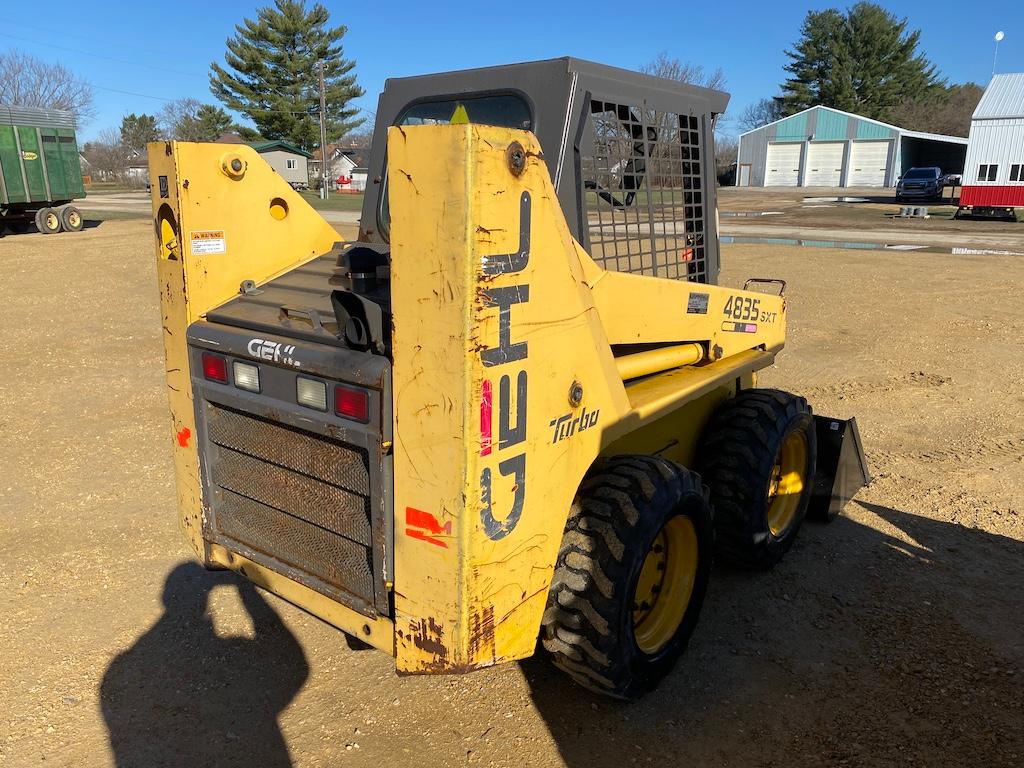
(52, 221)
(74, 218)
(665, 584)
(786, 484)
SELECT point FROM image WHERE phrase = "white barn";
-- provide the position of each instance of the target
(994, 170)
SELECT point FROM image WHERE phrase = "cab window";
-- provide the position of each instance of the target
(506, 110)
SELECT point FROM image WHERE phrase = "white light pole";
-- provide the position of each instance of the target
(999, 36)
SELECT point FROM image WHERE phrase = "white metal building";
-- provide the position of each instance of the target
(994, 172)
(825, 147)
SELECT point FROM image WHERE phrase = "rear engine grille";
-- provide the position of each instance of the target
(297, 502)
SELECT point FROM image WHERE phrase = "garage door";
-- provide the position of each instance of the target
(782, 166)
(824, 164)
(868, 163)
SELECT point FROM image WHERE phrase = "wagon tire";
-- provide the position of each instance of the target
(48, 221)
(71, 219)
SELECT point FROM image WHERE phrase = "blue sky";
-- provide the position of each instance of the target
(162, 51)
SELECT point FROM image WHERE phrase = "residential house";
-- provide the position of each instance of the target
(136, 171)
(291, 162)
(342, 161)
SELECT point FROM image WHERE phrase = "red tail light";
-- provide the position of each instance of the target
(352, 403)
(215, 368)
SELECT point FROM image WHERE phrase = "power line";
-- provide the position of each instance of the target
(264, 111)
(148, 66)
(64, 33)
(101, 56)
(129, 93)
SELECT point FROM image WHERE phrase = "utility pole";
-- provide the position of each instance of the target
(323, 135)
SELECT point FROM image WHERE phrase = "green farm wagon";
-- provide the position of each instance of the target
(40, 173)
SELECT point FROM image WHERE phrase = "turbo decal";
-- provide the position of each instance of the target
(566, 426)
(511, 431)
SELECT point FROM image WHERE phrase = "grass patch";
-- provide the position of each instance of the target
(334, 202)
(107, 187)
(114, 215)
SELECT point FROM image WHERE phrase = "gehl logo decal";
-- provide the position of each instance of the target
(511, 436)
(272, 350)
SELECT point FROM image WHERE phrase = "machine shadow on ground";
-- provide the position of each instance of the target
(181, 695)
(847, 653)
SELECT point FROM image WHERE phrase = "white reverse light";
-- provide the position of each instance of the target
(246, 376)
(311, 393)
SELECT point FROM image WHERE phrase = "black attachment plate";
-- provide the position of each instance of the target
(842, 469)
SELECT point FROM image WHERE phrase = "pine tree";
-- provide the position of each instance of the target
(212, 122)
(272, 74)
(138, 130)
(863, 61)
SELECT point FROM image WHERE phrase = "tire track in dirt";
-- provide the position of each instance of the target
(860, 387)
(1002, 450)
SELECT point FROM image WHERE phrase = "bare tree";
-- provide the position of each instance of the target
(672, 144)
(30, 82)
(359, 142)
(177, 119)
(107, 155)
(726, 151)
(949, 113)
(672, 68)
(760, 113)
(189, 119)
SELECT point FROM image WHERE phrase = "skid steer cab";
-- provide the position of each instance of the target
(519, 406)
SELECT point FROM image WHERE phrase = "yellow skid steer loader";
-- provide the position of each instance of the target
(517, 407)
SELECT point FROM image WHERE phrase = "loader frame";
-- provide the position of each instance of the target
(517, 356)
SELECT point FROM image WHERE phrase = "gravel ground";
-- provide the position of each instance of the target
(892, 636)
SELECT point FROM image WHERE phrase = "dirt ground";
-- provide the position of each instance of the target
(892, 636)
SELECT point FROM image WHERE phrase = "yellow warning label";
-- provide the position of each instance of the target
(460, 116)
(206, 242)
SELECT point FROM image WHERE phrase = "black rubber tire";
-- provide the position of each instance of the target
(736, 454)
(587, 629)
(41, 221)
(71, 219)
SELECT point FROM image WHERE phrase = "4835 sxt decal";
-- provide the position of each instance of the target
(745, 312)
